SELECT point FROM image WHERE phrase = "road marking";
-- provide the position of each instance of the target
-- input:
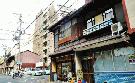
(9, 82)
(32, 78)
(25, 80)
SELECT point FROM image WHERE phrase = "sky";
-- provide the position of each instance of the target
(9, 21)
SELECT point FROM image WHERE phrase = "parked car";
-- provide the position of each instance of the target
(29, 72)
(47, 71)
(38, 72)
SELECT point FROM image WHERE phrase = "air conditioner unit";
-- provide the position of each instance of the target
(116, 28)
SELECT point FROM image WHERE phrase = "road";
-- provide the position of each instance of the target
(24, 79)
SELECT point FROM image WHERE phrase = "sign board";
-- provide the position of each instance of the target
(114, 77)
(99, 22)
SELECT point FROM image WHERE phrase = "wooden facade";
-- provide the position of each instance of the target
(94, 31)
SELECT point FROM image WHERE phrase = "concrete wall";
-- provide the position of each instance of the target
(38, 39)
(130, 5)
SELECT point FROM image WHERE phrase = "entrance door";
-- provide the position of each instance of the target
(88, 70)
(59, 73)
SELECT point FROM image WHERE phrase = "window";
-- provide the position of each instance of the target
(45, 22)
(74, 21)
(45, 36)
(104, 61)
(114, 60)
(107, 61)
(48, 42)
(45, 43)
(56, 38)
(61, 34)
(65, 30)
(67, 25)
(45, 51)
(45, 27)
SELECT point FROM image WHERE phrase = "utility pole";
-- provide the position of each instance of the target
(5, 50)
(17, 37)
(20, 32)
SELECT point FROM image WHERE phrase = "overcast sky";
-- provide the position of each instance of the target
(28, 9)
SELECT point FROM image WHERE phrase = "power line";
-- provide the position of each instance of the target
(39, 16)
(34, 21)
(51, 16)
(56, 13)
(6, 30)
(39, 37)
(49, 19)
(67, 13)
(5, 39)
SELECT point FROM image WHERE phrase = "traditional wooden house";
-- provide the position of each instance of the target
(95, 43)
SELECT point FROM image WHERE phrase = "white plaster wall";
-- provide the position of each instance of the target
(130, 5)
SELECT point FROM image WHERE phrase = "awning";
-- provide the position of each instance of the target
(108, 40)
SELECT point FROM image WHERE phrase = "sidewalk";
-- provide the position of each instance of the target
(44, 81)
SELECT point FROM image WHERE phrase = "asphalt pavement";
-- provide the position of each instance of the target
(25, 79)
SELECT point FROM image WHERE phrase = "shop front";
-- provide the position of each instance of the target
(62, 65)
(115, 65)
(105, 55)
(87, 62)
(111, 64)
